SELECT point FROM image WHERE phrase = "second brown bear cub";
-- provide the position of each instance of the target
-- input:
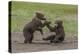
(34, 25)
(59, 30)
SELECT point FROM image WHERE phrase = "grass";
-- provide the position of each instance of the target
(22, 13)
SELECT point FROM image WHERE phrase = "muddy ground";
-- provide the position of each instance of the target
(40, 45)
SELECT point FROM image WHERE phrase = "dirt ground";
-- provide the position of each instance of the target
(41, 45)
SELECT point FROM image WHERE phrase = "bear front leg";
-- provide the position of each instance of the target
(40, 29)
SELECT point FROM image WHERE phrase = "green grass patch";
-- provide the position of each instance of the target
(22, 13)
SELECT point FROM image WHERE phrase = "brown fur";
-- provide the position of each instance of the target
(59, 30)
(31, 27)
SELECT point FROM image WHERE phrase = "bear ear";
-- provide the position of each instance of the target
(58, 22)
(38, 12)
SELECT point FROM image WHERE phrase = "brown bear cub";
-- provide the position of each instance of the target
(59, 30)
(34, 25)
